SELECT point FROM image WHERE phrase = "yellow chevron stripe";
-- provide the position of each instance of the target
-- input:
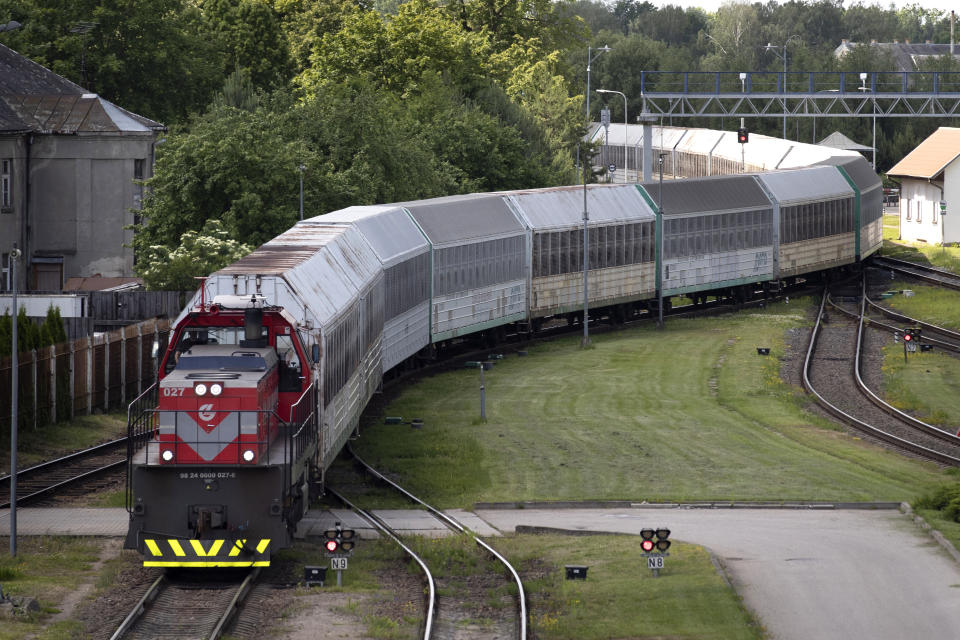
(204, 564)
(177, 549)
(152, 546)
(214, 548)
(237, 547)
(263, 545)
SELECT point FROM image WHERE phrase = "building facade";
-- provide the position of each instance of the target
(69, 165)
(930, 189)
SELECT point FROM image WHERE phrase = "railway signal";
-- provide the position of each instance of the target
(654, 543)
(743, 136)
(339, 541)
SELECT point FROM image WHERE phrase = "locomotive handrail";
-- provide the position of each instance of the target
(136, 434)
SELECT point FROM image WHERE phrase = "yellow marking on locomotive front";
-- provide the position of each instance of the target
(214, 548)
(152, 546)
(204, 564)
(263, 545)
(237, 547)
(177, 549)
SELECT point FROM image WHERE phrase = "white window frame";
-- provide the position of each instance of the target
(919, 212)
(907, 204)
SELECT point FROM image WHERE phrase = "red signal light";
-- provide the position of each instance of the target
(907, 336)
(331, 546)
(647, 545)
(743, 136)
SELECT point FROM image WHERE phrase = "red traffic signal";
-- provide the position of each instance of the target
(651, 539)
(331, 546)
(908, 336)
(743, 136)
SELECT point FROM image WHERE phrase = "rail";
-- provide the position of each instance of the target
(451, 522)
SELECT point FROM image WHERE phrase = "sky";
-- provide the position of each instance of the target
(712, 5)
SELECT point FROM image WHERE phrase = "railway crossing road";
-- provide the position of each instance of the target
(806, 574)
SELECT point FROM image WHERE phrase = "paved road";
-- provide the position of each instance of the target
(807, 574)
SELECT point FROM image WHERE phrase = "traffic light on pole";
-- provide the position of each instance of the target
(743, 136)
(908, 335)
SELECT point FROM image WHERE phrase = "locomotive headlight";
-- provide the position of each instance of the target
(200, 389)
(167, 455)
(216, 389)
(249, 455)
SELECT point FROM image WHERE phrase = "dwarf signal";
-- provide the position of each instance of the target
(743, 136)
(339, 541)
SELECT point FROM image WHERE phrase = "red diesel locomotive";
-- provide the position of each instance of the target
(228, 435)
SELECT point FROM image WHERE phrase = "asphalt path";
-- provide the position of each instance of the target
(806, 574)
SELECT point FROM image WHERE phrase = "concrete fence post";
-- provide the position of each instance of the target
(89, 375)
(139, 358)
(53, 384)
(72, 362)
(123, 367)
(34, 352)
(106, 372)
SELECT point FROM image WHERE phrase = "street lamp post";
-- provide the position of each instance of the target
(624, 128)
(773, 49)
(14, 409)
(586, 215)
(301, 168)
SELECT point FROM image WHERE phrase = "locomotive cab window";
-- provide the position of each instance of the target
(290, 370)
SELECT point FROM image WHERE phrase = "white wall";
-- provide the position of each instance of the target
(919, 212)
(951, 190)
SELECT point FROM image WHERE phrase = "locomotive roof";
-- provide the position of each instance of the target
(718, 193)
(563, 206)
(464, 218)
(221, 361)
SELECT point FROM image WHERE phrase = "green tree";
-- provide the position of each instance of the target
(148, 56)
(198, 254)
(250, 34)
(735, 36)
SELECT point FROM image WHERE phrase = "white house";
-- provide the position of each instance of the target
(930, 189)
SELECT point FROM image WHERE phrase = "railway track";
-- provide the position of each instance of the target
(186, 608)
(445, 612)
(836, 361)
(74, 472)
(920, 272)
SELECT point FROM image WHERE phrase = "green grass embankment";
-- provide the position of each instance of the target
(690, 413)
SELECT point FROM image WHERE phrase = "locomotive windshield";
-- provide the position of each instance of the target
(239, 362)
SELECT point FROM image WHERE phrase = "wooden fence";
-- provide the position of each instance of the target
(97, 373)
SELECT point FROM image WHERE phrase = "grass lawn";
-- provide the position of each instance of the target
(46, 568)
(691, 413)
(689, 600)
(46, 443)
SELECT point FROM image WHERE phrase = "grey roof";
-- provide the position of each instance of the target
(806, 185)
(859, 171)
(837, 140)
(389, 230)
(465, 218)
(718, 193)
(35, 99)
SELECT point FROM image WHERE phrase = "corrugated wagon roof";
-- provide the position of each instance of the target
(563, 206)
(464, 218)
(719, 193)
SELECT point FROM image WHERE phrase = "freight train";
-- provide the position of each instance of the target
(270, 365)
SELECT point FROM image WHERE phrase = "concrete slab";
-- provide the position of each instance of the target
(473, 522)
(35, 521)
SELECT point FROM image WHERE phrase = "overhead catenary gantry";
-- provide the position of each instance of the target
(801, 94)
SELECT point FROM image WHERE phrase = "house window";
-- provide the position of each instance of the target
(5, 284)
(138, 169)
(906, 205)
(933, 215)
(919, 211)
(6, 186)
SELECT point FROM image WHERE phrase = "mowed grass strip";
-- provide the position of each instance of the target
(620, 597)
(689, 413)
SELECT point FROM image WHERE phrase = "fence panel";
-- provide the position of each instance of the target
(80, 376)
